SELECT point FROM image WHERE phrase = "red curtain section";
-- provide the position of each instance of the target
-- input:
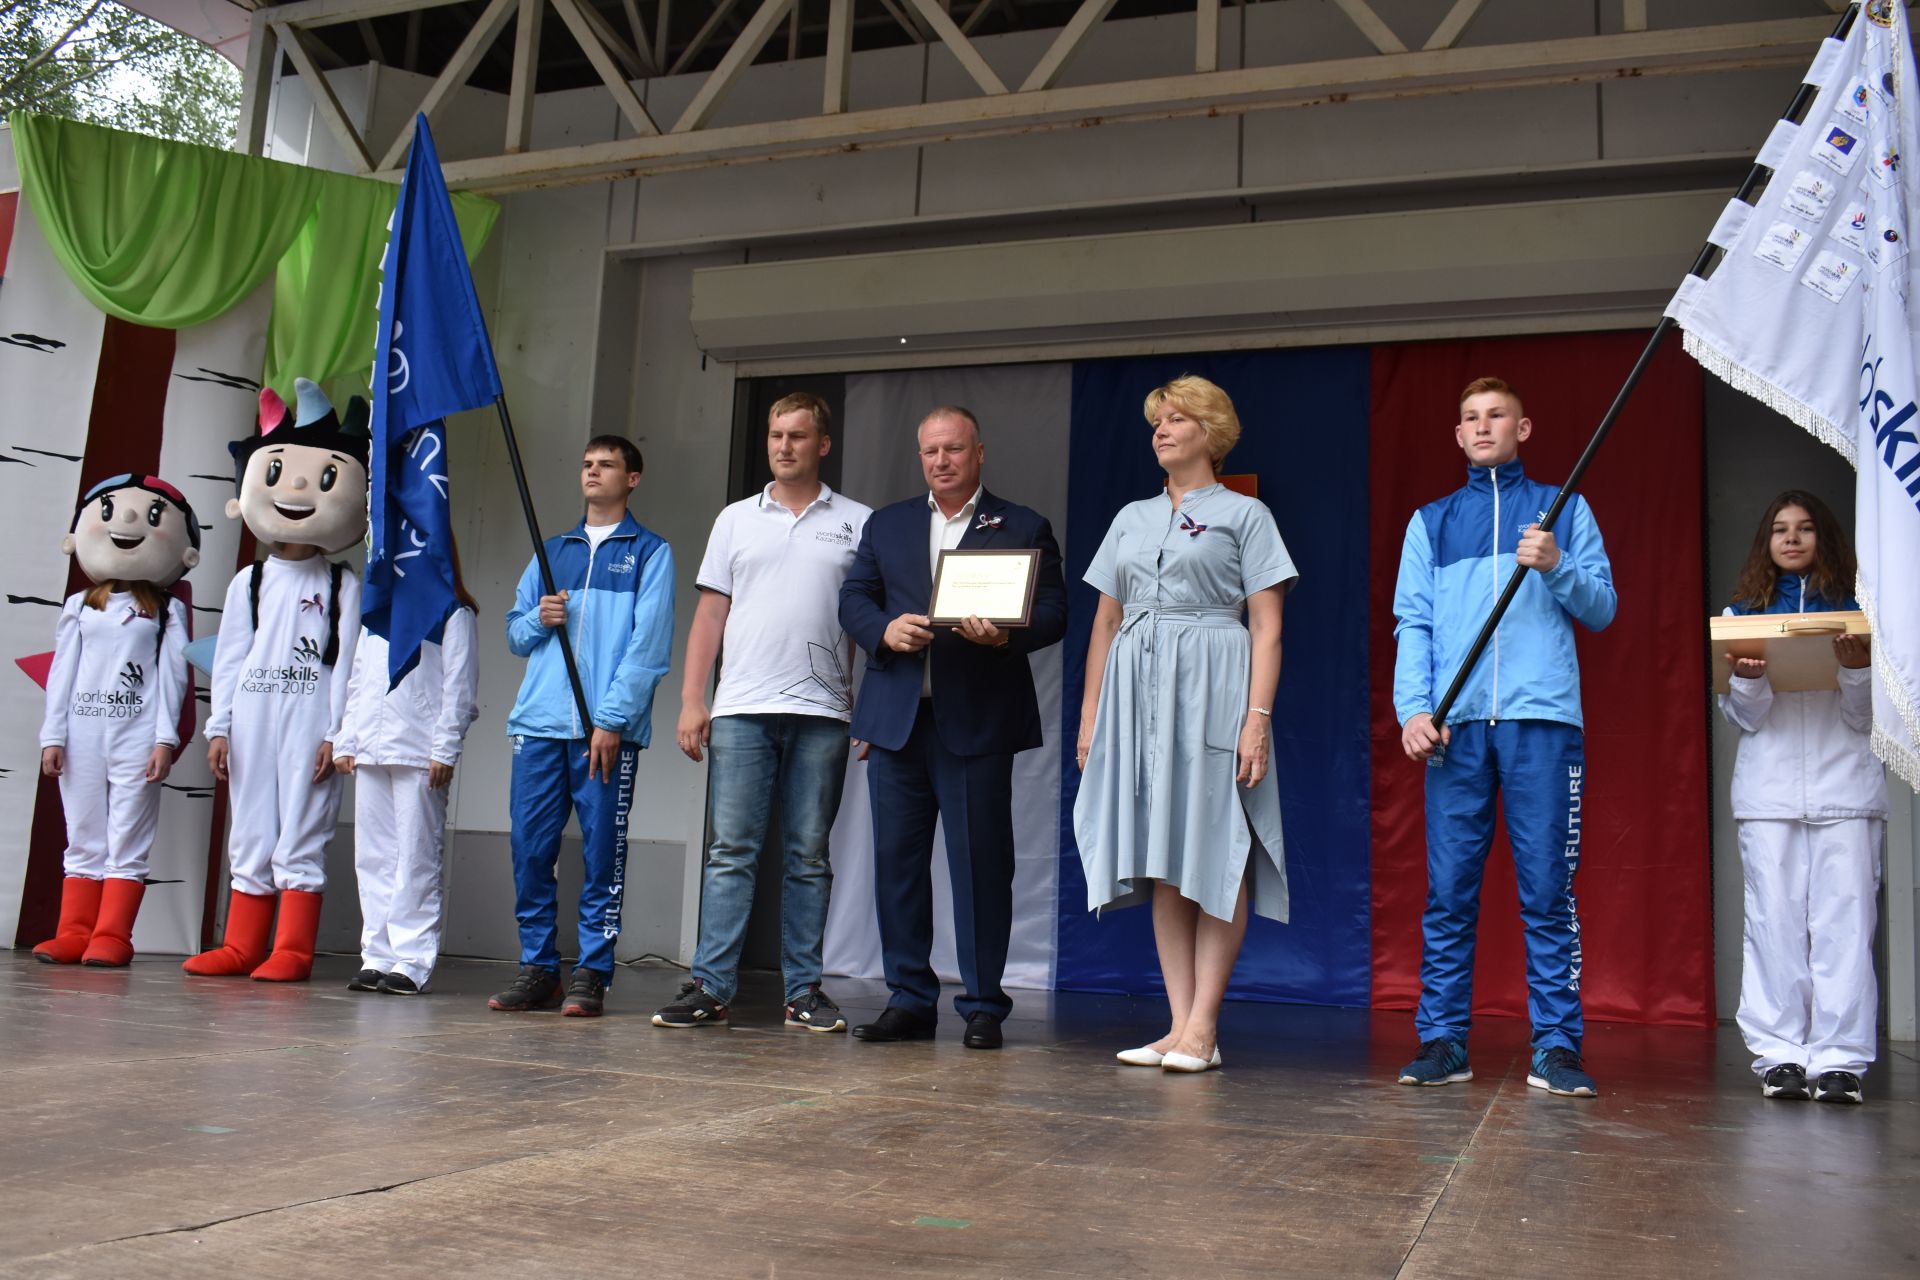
(1643, 888)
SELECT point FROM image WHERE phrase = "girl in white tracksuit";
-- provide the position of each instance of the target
(114, 693)
(401, 747)
(1811, 803)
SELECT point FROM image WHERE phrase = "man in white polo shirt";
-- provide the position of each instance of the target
(770, 594)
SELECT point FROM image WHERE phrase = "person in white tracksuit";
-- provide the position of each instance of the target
(114, 694)
(1810, 800)
(288, 629)
(401, 746)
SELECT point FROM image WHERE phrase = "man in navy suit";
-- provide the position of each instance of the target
(945, 709)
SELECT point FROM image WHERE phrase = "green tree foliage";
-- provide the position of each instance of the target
(102, 62)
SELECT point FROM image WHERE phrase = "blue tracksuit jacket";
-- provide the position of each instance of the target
(1458, 555)
(620, 618)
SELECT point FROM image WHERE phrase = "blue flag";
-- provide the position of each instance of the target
(431, 358)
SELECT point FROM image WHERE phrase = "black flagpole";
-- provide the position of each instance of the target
(546, 569)
(1755, 176)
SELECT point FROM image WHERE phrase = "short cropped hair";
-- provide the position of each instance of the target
(1481, 386)
(626, 448)
(954, 411)
(811, 403)
(1206, 404)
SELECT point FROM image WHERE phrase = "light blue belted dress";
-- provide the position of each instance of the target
(1158, 800)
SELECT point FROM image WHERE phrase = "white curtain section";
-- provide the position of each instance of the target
(47, 372)
(49, 369)
(1024, 413)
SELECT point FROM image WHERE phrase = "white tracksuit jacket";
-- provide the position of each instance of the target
(275, 703)
(400, 823)
(113, 694)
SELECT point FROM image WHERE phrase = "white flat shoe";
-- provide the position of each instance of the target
(1144, 1056)
(1187, 1062)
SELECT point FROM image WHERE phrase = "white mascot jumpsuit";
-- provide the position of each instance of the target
(280, 674)
(114, 695)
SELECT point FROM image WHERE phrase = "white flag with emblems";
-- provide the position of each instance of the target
(1810, 310)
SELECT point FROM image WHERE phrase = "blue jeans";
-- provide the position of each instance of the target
(1537, 769)
(549, 776)
(800, 762)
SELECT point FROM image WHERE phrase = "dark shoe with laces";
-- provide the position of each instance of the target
(1788, 1081)
(693, 1007)
(814, 1011)
(586, 995)
(533, 988)
(895, 1025)
(366, 980)
(1440, 1061)
(398, 984)
(1838, 1086)
(1558, 1071)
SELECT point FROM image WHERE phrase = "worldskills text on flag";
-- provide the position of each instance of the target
(431, 358)
(1811, 311)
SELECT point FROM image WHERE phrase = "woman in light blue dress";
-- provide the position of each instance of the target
(1177, 801)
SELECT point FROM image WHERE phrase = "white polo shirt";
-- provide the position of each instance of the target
(784, 651)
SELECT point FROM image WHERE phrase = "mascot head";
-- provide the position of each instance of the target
(303, 479)
(132, 528)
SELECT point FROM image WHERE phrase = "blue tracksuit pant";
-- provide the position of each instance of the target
(549, 778)
(1536, 768)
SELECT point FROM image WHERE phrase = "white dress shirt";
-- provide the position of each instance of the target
(943, 534)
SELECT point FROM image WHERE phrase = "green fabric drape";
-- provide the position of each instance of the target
(171, 235)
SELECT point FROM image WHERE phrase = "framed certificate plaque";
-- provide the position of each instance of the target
(994, 586)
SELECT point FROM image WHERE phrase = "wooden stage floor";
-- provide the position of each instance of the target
(160, 1126)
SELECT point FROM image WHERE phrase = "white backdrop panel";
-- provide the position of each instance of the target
(1025, 415)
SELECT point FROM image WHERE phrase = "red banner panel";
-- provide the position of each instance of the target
(1644, 888)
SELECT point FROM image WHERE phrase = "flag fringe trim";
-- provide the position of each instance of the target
(1787, 405)
(1896, 755)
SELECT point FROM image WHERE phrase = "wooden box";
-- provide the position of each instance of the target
(1798, 647)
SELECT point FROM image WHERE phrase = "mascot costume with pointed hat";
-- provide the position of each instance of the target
(280, 673)
(116, 689)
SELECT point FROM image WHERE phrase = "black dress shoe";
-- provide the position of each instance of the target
(983, 1032)
(895, 1024)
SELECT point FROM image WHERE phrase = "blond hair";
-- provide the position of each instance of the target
(1498, 386)
(1206, 404)
(811, 404)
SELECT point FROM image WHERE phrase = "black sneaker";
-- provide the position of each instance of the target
(398, 984)
(1788, 1080)
(1838, 1086)
(693, 1007)
(366, 980)
(533, 988)
(814, 1011)
(586, 995)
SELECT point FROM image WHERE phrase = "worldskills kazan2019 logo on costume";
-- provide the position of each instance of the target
(123, 703)
(302, 676)
(841, 537)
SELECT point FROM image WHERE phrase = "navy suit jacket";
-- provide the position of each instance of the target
(983, 701)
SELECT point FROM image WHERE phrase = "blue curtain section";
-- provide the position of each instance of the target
(1304, 433)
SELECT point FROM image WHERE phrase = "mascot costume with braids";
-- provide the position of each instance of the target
(116, 692)
(280, 671)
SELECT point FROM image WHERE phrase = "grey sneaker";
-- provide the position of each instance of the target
(815, 1012)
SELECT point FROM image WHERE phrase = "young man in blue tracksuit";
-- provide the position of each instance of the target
(615, 594)
(1514, 732)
